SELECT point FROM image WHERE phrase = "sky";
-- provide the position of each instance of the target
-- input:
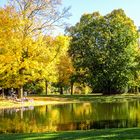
(79, 7)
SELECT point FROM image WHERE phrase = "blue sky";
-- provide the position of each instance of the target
(78, 7)
(131, 8)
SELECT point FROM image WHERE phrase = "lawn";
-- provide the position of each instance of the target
(106, 134)
(34, 101)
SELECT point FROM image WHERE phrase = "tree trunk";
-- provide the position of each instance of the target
(46, 86)
(109, 88)
(2, 92)
(61, 90)
(20, 92)
(71, 88)
(136, 89)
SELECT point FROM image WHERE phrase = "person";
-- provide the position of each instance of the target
(13, 95)
(25, 93)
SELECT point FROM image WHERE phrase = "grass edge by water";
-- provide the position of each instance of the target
(63, 99)
(112, 134)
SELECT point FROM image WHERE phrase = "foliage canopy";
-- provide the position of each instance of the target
(104, 50)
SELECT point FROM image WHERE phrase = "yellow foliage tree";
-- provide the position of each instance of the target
(57, 47)
(29, 58)
(65, 70)
(21, 59)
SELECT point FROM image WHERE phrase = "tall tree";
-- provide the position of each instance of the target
(57, 47)
(23, 57)
(134, 83)
(64, 71)
(20, 61)
(23, 52)
(103, 49)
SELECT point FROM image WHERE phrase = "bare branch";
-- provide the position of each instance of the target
(44, 14)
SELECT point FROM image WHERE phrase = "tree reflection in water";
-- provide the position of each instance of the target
(80, 116)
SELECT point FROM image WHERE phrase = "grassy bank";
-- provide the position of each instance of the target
(106, 134)
(61, 99)
(34, 101)
(96, 97)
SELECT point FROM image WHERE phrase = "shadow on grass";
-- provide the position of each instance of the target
(108, 134)
(95, 98)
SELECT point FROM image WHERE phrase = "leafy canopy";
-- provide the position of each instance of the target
(103, 49)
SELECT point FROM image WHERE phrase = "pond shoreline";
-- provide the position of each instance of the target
(13, 104)
(56, 122)
(66, 99)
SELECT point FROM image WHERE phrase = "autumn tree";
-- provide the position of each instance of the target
(64, 71)
(57, 47)
(24, 54)
(24, 59)
(103, 49)
(19, 63)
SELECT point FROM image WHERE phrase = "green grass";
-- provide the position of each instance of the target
(94, 97)
(106, 134)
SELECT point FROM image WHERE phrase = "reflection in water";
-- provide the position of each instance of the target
(80, 116)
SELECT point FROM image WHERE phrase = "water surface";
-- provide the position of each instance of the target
(76, 116)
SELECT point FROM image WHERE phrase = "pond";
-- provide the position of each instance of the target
(76, 116)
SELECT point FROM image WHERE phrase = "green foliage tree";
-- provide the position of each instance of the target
(103, 49)
(134, 83)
